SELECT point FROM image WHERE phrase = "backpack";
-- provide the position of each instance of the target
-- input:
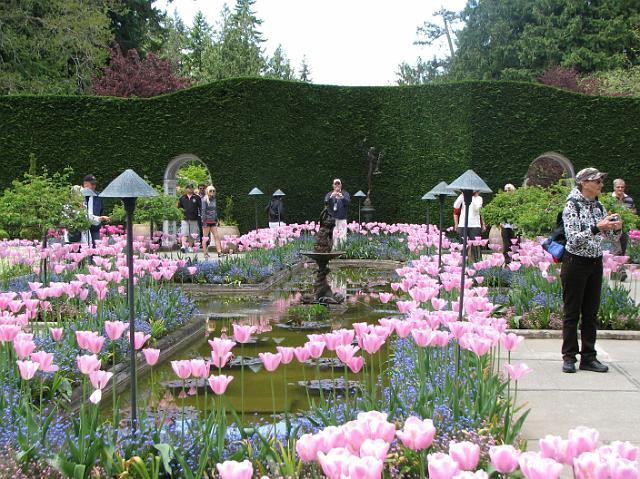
(555, 244)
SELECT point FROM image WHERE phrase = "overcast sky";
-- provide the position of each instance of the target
(347, 42)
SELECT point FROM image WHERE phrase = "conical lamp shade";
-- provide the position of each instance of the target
(469, 180)
(256, 192)
(441, 189)
(128, 185)
(278, 192)
(428, 196)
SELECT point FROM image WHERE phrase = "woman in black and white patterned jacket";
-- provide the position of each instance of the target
(585, 224)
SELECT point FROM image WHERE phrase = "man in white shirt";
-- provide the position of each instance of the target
(474, 226)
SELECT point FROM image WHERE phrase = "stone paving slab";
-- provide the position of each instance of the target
(608, 402)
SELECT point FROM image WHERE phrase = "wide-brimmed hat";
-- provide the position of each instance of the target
(589, 174)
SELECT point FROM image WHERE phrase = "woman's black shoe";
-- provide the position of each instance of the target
(594, 365)
(568, 367)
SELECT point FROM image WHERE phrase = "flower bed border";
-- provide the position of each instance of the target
(557, 334)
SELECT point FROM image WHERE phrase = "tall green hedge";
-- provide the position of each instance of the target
(298, 137)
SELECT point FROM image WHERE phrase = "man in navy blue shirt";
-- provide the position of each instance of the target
(337, 202)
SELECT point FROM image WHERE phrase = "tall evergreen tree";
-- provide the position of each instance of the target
(199, 40)
(305, 71)
(176, 43)
(279, 66)
(51, 46)
(238, 52)
(136, 24)
(521, 38)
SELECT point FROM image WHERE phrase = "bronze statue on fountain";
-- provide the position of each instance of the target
(322, 254)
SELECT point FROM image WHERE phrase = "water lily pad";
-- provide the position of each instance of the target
(325, 363)
(330, 385)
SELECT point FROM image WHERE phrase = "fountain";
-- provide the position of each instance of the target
(322, 255)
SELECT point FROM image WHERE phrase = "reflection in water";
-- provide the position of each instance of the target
(360, 286)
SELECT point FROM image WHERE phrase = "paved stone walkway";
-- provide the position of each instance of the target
(608, 402)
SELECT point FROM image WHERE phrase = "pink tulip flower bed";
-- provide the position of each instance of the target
(445, 404)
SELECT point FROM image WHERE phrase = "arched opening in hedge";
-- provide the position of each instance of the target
(169, 186)
(549, 168)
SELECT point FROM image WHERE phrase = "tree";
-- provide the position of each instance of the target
(519, 39)
(431, 32)
(198, 41)
(137, 24)
(39, 203)
(238, 51)
(151, 209)
(176, 43)
(305, 71)
(279, 66)
(51, 46)
(133, 76)
(422, 73)
(569, 79)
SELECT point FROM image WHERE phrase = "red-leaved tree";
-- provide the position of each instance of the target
(132, 76)
(569, 79)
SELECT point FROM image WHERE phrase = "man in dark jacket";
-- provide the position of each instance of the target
(95, 207)
(337, 202)
(191, 204)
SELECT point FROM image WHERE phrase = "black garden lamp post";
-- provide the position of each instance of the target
(440, 191)
(360, 194)
(278, 194)
(426, 198)
(255, 193)
(130, 186)
(468, 183)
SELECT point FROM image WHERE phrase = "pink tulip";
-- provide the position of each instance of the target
(403, 328)
(541, 468)
(626, 450)
(307, 447)
(242, 334)
(624, 469)
(8, 332)
(56, 334)
(355, 364)
(235, 470)
(200, 368)
(385, 297)
(417, 433)
(367, 467)
(82, 338)
(27, 369)
(218, 384)
(23, 348)
(114, 329)
(465, 453)
(182, 368)
(139, 339)
(192, 270)
(315, 348)
(556, 448)
(504, 458)
(45, 360)
(335, 463)
(371, 343)
(151, 355)
(220, 361)
(95, 343)
(377, 448)
(301, 353)
(270, 361)
(221, 346)
(346, 352)
(441, 466)
(286, 354)
(88, 363)
(582, 439)
(517, 372)
(510, 341)
(99, 379)
(96, 396)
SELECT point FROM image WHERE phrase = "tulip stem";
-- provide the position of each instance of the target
(273, 403)
(114, 392)
(242, 382)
